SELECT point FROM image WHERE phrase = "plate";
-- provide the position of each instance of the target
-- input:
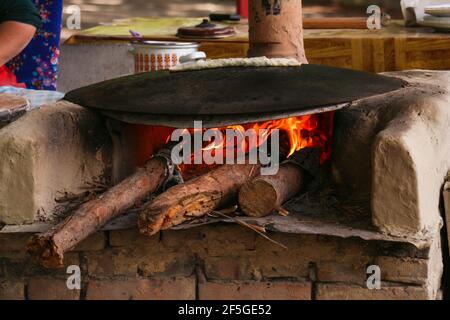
(441, 10)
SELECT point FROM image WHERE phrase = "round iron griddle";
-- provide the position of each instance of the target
(211, 121)
(233, 91)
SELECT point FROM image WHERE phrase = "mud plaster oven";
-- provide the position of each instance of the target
(381, 206)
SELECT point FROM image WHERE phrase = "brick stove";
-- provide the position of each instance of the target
(377, 204)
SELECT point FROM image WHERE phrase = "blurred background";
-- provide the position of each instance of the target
(95, 12)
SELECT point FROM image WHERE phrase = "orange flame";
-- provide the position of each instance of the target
(308, 131)
(313, 131)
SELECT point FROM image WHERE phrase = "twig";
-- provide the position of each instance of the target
(282, 211)
(251, 171)
(229, 210)
(257, 229)
(69, 201)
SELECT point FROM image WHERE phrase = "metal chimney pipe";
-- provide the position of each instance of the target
(276, 29)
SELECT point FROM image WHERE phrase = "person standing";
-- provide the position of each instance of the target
(37, 65)
(19, 21)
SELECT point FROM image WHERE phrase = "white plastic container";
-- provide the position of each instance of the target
(160, 55)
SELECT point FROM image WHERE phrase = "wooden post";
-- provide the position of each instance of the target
(276, 29)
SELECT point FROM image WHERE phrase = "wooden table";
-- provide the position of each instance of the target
(390, 49)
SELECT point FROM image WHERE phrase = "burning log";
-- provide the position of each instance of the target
(196, 197)
(48, 248)
(266, 194)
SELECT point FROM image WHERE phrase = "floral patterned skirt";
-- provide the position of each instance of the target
(37, 65)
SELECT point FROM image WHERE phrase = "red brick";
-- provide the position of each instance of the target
(100, 263)
(175, 240)
(152, 262)
(280, 264)
(211, 240)
(225, 240)
(336, 259)
(95, 242)
(331, 291)
(14, 241)
(142, 289)
(301, 249)
(12, 290)
(349, 271)
(227, 268)
(252, 290)
(132, 237)
(168, 264)
(404, 270)
(15, 255)
(50, 289)
(18, 267)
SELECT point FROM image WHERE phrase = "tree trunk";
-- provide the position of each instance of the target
(48, 248)
(196, 197)
(265, 194)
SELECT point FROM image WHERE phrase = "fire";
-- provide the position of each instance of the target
(300, 131)
(310, 131)
(296, 133)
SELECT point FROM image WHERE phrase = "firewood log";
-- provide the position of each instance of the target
(265, 194)
(48, 248)
(196, 198)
